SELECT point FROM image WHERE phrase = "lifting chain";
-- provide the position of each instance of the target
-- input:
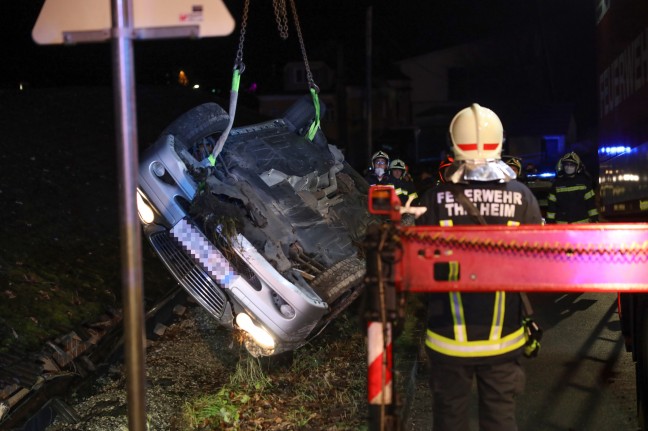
(281, 16)
(309, 75)
(616, 253)
(238, 64)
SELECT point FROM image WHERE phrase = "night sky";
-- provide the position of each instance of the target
(401, 30)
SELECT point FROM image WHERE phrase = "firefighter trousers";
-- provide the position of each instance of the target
(497, 387)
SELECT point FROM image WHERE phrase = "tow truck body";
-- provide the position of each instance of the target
(622, 48)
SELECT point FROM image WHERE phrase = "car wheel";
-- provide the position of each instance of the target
(336, 280)
(199, 122)
(302, 113)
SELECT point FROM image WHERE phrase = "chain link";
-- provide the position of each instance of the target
(309, 75)
(281, 16)
(239, 53)
(615, 253)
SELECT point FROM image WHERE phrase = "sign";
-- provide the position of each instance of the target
(77, 21)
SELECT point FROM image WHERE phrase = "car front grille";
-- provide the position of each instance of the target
(189, 274)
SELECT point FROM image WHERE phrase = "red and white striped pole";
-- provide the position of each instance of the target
(380, 379)
(379, 351)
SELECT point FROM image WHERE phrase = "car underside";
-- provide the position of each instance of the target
(271, 229)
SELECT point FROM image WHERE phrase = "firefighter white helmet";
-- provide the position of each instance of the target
(397, 164)
(380, 155)
(477, 134)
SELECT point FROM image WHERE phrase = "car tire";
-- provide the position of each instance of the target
(199, 122)
(302, 113)
(336, 280)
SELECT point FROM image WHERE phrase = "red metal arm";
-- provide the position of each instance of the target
(566, 258)
(601, 257)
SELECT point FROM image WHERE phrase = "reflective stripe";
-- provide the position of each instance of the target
(467, 349)
(445, 223)
(589, 195)
(400, 192)
(571, 189)
(551, 216)
(551, 197)
(461, 347)
(593, 212)
(585, 220)
(453, 274)
(512, 223)
(415, 195)
(498, 316)
(458, 317)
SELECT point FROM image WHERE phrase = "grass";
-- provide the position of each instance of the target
(60, 249)
(324, 388)
(224, 405)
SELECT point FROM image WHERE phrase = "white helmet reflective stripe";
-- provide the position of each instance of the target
(477, 134)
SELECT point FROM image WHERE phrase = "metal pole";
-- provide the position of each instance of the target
(380, 315)
(131, 249)
(369, 44)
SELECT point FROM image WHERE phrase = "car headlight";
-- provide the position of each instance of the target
(258, 334)
(145, 212)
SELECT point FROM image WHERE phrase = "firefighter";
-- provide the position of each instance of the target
(404, 189)
(516, 164)
(378, 174)
(571, 198)
(480, 335)
(399, 170)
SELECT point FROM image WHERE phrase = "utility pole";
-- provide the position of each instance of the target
(368, 98)
(131, 244)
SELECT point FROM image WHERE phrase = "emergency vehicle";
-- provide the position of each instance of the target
(622, 68)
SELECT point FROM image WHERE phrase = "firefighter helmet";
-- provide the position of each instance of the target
(477, 134)
(571, 157)
(380, 155)
(515, 163)
(398, 164)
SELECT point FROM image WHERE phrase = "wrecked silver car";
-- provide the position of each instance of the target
(265, 239)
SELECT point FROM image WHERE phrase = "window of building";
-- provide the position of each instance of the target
(553, 146)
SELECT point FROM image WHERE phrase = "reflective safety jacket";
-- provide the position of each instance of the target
(405, 190)
(476, 327)
(572, 200)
